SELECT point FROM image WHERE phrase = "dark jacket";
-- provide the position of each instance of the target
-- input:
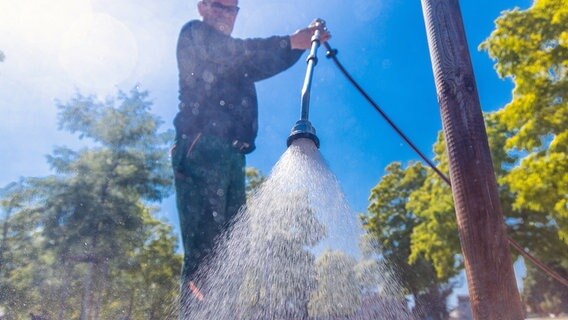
(216, 80)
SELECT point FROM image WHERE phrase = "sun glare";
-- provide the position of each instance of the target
(98, 51)
(40, 22)
(89, 50)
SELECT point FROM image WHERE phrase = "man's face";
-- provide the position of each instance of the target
(220, 14)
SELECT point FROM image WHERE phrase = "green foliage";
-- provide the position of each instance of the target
(129, 139)
(544, 295)
(528, 139)
(254, 180)
(83, 242)
(373, 276)
(337, 293)
(146, 280)
(278, 286)
(531, 47)
(401, 216)
(21, 257)
(435, 237)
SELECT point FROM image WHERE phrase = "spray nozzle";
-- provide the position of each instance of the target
(303, 129)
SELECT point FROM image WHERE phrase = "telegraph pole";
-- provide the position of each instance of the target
(489, 268)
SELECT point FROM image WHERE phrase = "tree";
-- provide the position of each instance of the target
(542, 294)
(412, 215)
(531, 48)
(146, 281)
(279, 287)
(373, 274)
(23, 264)
(435, 237)
(93, 207)
(337, 293)
(86, 245)
(11, 201)
(529, 144)
(254, 180)
(392, 223)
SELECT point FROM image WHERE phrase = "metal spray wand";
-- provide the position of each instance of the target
(303, 128)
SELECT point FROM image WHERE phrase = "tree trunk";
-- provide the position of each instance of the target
(89, 279)
(67, 269)
(3, 244)
(489, 268)
(131, 304)
(86, 300)
(101, 290)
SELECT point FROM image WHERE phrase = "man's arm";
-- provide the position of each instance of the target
(257, 59)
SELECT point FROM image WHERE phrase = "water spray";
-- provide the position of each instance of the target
(303, 127)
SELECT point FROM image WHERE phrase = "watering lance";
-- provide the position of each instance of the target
(303, 128)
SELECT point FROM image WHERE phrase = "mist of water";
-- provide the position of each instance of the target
(295, 252)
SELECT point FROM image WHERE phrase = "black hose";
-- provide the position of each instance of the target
(332, 54)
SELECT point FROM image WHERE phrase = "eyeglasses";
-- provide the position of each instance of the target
(222, 7)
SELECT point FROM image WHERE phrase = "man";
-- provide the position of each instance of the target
(217, 121)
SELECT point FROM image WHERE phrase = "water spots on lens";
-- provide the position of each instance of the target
(208, 76)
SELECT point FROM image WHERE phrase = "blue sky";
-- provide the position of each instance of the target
(54, 48)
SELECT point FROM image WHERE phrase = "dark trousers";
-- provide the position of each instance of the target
(210, 189)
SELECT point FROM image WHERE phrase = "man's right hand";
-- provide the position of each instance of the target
(302, 39)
